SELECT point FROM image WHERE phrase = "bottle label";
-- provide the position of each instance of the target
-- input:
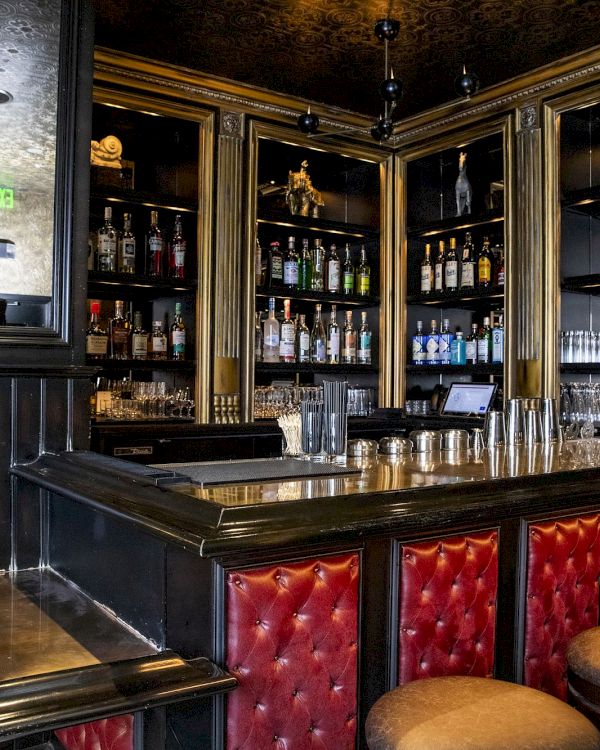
(178, 341)
(96, 345)
(272, 339)
(179, 254)
(107, 245)
(333, 345)
(445, 343)
(304, 346)
(128, 248)
(364, 348)
(471, 352)
(319, 351)
(349, 351)
(433, 348)
(483, 350)
(439, 277)
(276, 269)
(501, 278)
(286, 342)
(349, 281)
(485, 270)
(457, 352)
(139, 345)
(426, 278)
(418, 352)
(155, 245)
(498, 345)
(468, 274)
(333, 276)
(452, 274)
(364, 283)
(159, 344)
(290, 272)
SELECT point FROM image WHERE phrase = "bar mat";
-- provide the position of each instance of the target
(256, 470)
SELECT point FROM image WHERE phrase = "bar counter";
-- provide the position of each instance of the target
(403, 568)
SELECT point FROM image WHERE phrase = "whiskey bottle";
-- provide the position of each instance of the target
(427, 272)
(107, 244)
(139, 338)
(363, 274)
(364, 340)
(318, 270)
(302, 341)
(451, 275)
(119, 333)
(305, 271)
(177, 251)
(333, 271)
(485, 266)
(467, 271)
(275, 266)
(177, 337)
(484, 343)
(348, 271)
(419, 345)
(290, 265)
(440, 267)
(96, 340)
(432, 347)
(127, 247)
(471, 346)
(287, 339)
(158, 342)
(349, 345)
(318, 343)
(154, 248)
(271, 335)
(333, 338)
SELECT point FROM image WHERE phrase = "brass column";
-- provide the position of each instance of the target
(228, 255)
(526, 264)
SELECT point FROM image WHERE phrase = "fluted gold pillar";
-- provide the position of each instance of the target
(228, 255)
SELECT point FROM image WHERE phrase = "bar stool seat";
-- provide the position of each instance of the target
(475, 713)
(583, 660)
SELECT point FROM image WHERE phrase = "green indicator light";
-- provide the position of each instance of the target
(7, 198)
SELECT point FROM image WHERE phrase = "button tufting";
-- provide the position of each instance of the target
(311, 728)
(275, 738)
(258, 622)
(295, 692)
(238, 582)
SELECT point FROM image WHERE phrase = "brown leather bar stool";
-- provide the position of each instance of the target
(475, 713)
(583, 674)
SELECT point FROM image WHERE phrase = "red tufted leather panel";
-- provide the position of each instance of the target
(115, 733)
(292, 633)
(447, 611)
(563, 565)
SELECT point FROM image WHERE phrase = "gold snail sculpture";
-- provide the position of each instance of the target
(107, 152)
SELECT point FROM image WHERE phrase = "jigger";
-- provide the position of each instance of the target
(515, 422)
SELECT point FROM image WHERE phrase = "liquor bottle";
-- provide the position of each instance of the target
(498, 341)
(499, 276)
(318, 338)
(427, 272)
(158, 341)
(287, 338)
(363, 274)
(484, 343)
(485, 266)
(471, 346)
(333, 338)
(139, 338)
(178, 335)
(155, 247)
(305, 271)
(349, 346)
(318, 260)
(258, 338)
(451, 275)
(127, 247)
(446, 338)
(467, 271)
(119, 333)
(333, 271)
(107, 244)
(302, 341)
(432, 347)
(177, 251)
(275, 266)
(258, 279)
(96, 340)
(440, 267)
(271, 335)
(364, 340)
(348, 271)
(290, 265)
(458, 350)
(419, 345)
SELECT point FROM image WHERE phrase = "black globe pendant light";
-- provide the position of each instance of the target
(466, 84)
(308, 123)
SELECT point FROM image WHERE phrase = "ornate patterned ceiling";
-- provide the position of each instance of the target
(325, 50)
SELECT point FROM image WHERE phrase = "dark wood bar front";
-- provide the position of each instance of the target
(321, 594)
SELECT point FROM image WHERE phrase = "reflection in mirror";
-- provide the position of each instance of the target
(29, 69)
